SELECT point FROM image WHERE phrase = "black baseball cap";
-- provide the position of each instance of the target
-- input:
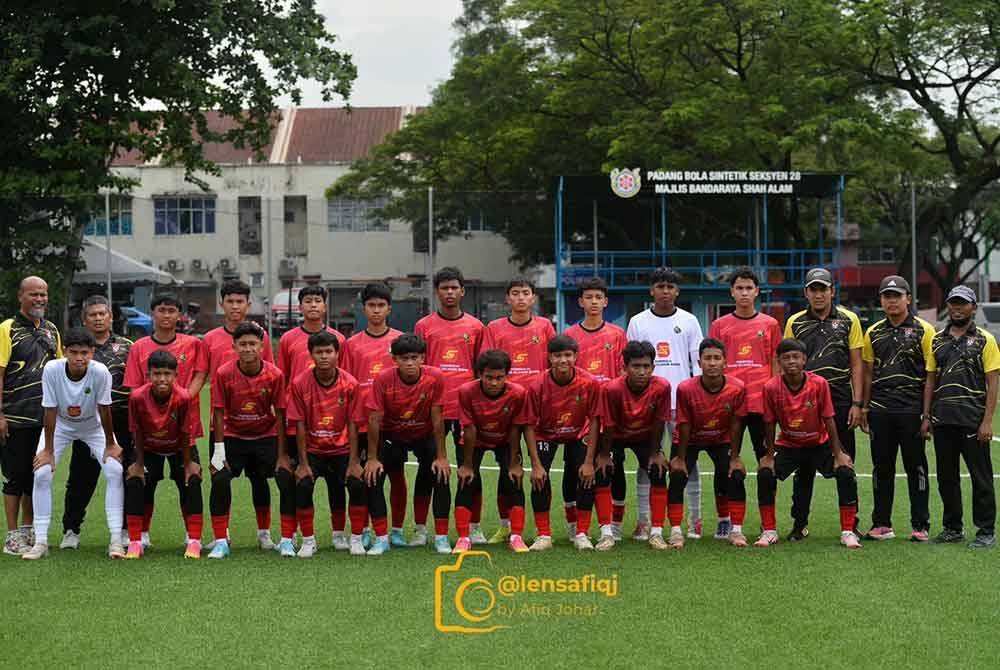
(895, 284)
(961, 293)
(819, 276)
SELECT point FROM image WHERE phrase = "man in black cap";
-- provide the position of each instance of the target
(959, 399)
(896, 353)
(833, 339)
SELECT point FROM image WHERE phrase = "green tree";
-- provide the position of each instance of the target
(84, 82)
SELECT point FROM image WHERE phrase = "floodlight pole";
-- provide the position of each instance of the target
(107, 240)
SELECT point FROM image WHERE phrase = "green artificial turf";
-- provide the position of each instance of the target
(812, 604)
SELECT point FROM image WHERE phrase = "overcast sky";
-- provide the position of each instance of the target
(401, 48)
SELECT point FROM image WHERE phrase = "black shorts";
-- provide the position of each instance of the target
(394, 451)
(788, 460)
(259, 458)
(501, 455)
(642, 453)
(154, 464)
(332, 467)
(17, 456)
(455, 428)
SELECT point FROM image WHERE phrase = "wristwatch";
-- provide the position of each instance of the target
(857, 403)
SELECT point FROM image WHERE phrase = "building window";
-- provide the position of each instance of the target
(121, 218)
(184, 216)
(348, 214)
(877, 253)
(477, 223)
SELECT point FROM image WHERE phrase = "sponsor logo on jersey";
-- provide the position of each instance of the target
(376, 368)
(326, 421)
(626, 183)
(449, 355)
(796, 422)
(594, 365)
(745, 350)
(73, 410)
(663, 349)
(712, 423)
(490, 425)
(520, 357)
(249, 406)
(564, 418)
(408, 414)
(160, 434)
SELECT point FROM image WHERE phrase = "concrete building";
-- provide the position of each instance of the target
(272, 219)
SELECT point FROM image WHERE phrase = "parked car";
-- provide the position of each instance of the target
(137, 324)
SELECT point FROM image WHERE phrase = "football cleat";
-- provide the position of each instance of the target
(723, 529)
(737, 539)
(419, 538)
(116, 550)
(517, 545)
(397, 539)
(616, 531)
(70, 540)
(339, 541)
(850, 540)
(308, 548)
(357, 546)
(442, 544)
(286, 548)
(379, 546)
(264, 540)
(676, 539)
(605, 543)
(220, 550)
(541, 543)
(476, 535)
(146, 541)
(920, 536)
(582, 542)
(571, 530)
(798, 534)
(983, 541)
(134, 551)
(695, 529)
(367, 538)
(657, 542)
(880, 533)
(193, 549)
(463, 545)
(36, 552)
(501, 536)
(641, 532)
(767, 538)
(949, 536)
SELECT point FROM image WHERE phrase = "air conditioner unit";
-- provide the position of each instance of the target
(288, 268)
(197, 265)
(226, 264)
(175, 265)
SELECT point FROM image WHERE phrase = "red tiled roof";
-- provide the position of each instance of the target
(227, 154)
(326, 135)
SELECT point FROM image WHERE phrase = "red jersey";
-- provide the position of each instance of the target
(492, 417)
(248, 401)
(527, 346)
(600, 349)
(160, 423)
(219, 345)
(452, 347)
(800, 414)
(636, 418)
(709, 414)
(192, 357)
(750, 348)
(294, 358)
(325, 410)
(364, 357)
(406, 408)
(561, 412)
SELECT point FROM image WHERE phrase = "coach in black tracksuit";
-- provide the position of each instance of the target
(959, 399)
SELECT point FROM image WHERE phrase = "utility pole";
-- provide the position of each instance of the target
(430, 249)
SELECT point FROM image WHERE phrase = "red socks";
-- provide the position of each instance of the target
(737, 511)
(220, 524)
(338, 521)
(582, 520)
(618, 515)
(658, 505)
(397, 499)
(463, 517)
(420, 506)
(306, 518)
(722, 506)
(675, 511)
(503, 506)
(516, 520)
(381, 525)
(542, 523)
(193, 523)
(571, 513)
(602, 503)
(359, 518)
(847, 516)
(135, 523)
(288, 526)
(767, 520)
(263, 518)
(441, 526)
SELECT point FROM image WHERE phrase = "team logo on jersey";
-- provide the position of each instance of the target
(663, 350)
(423, 396)
(506, 409)
(607, 346)
(728, 406)
(970, 341)
(465, 336)
(809, 404)
(579, 397)
(173, 416)
(534, 339)
(677, 329)
(183, 358)
(449, 355)
(86, 391)
(340, 401)
(249, 406)
(626, 183)
(115, 347)
(907, 331)
(73, 410)
(264, 392)
(746, 350)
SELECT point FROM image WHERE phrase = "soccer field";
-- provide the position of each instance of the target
(889, 604)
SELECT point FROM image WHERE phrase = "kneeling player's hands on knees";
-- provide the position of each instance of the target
(843, 460)
(441, 468)
(604, 462)
(355, 470)
(677, 464)
(465, 475)
(284, 464)
(303, 472)
(736, 465)
(538, 477)
(135, 471)
(586, 472)
(43, 458)
(516, 473)
(766, 463)
(659, 462)
(373, 468)
(192, 469)
(113, 451)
